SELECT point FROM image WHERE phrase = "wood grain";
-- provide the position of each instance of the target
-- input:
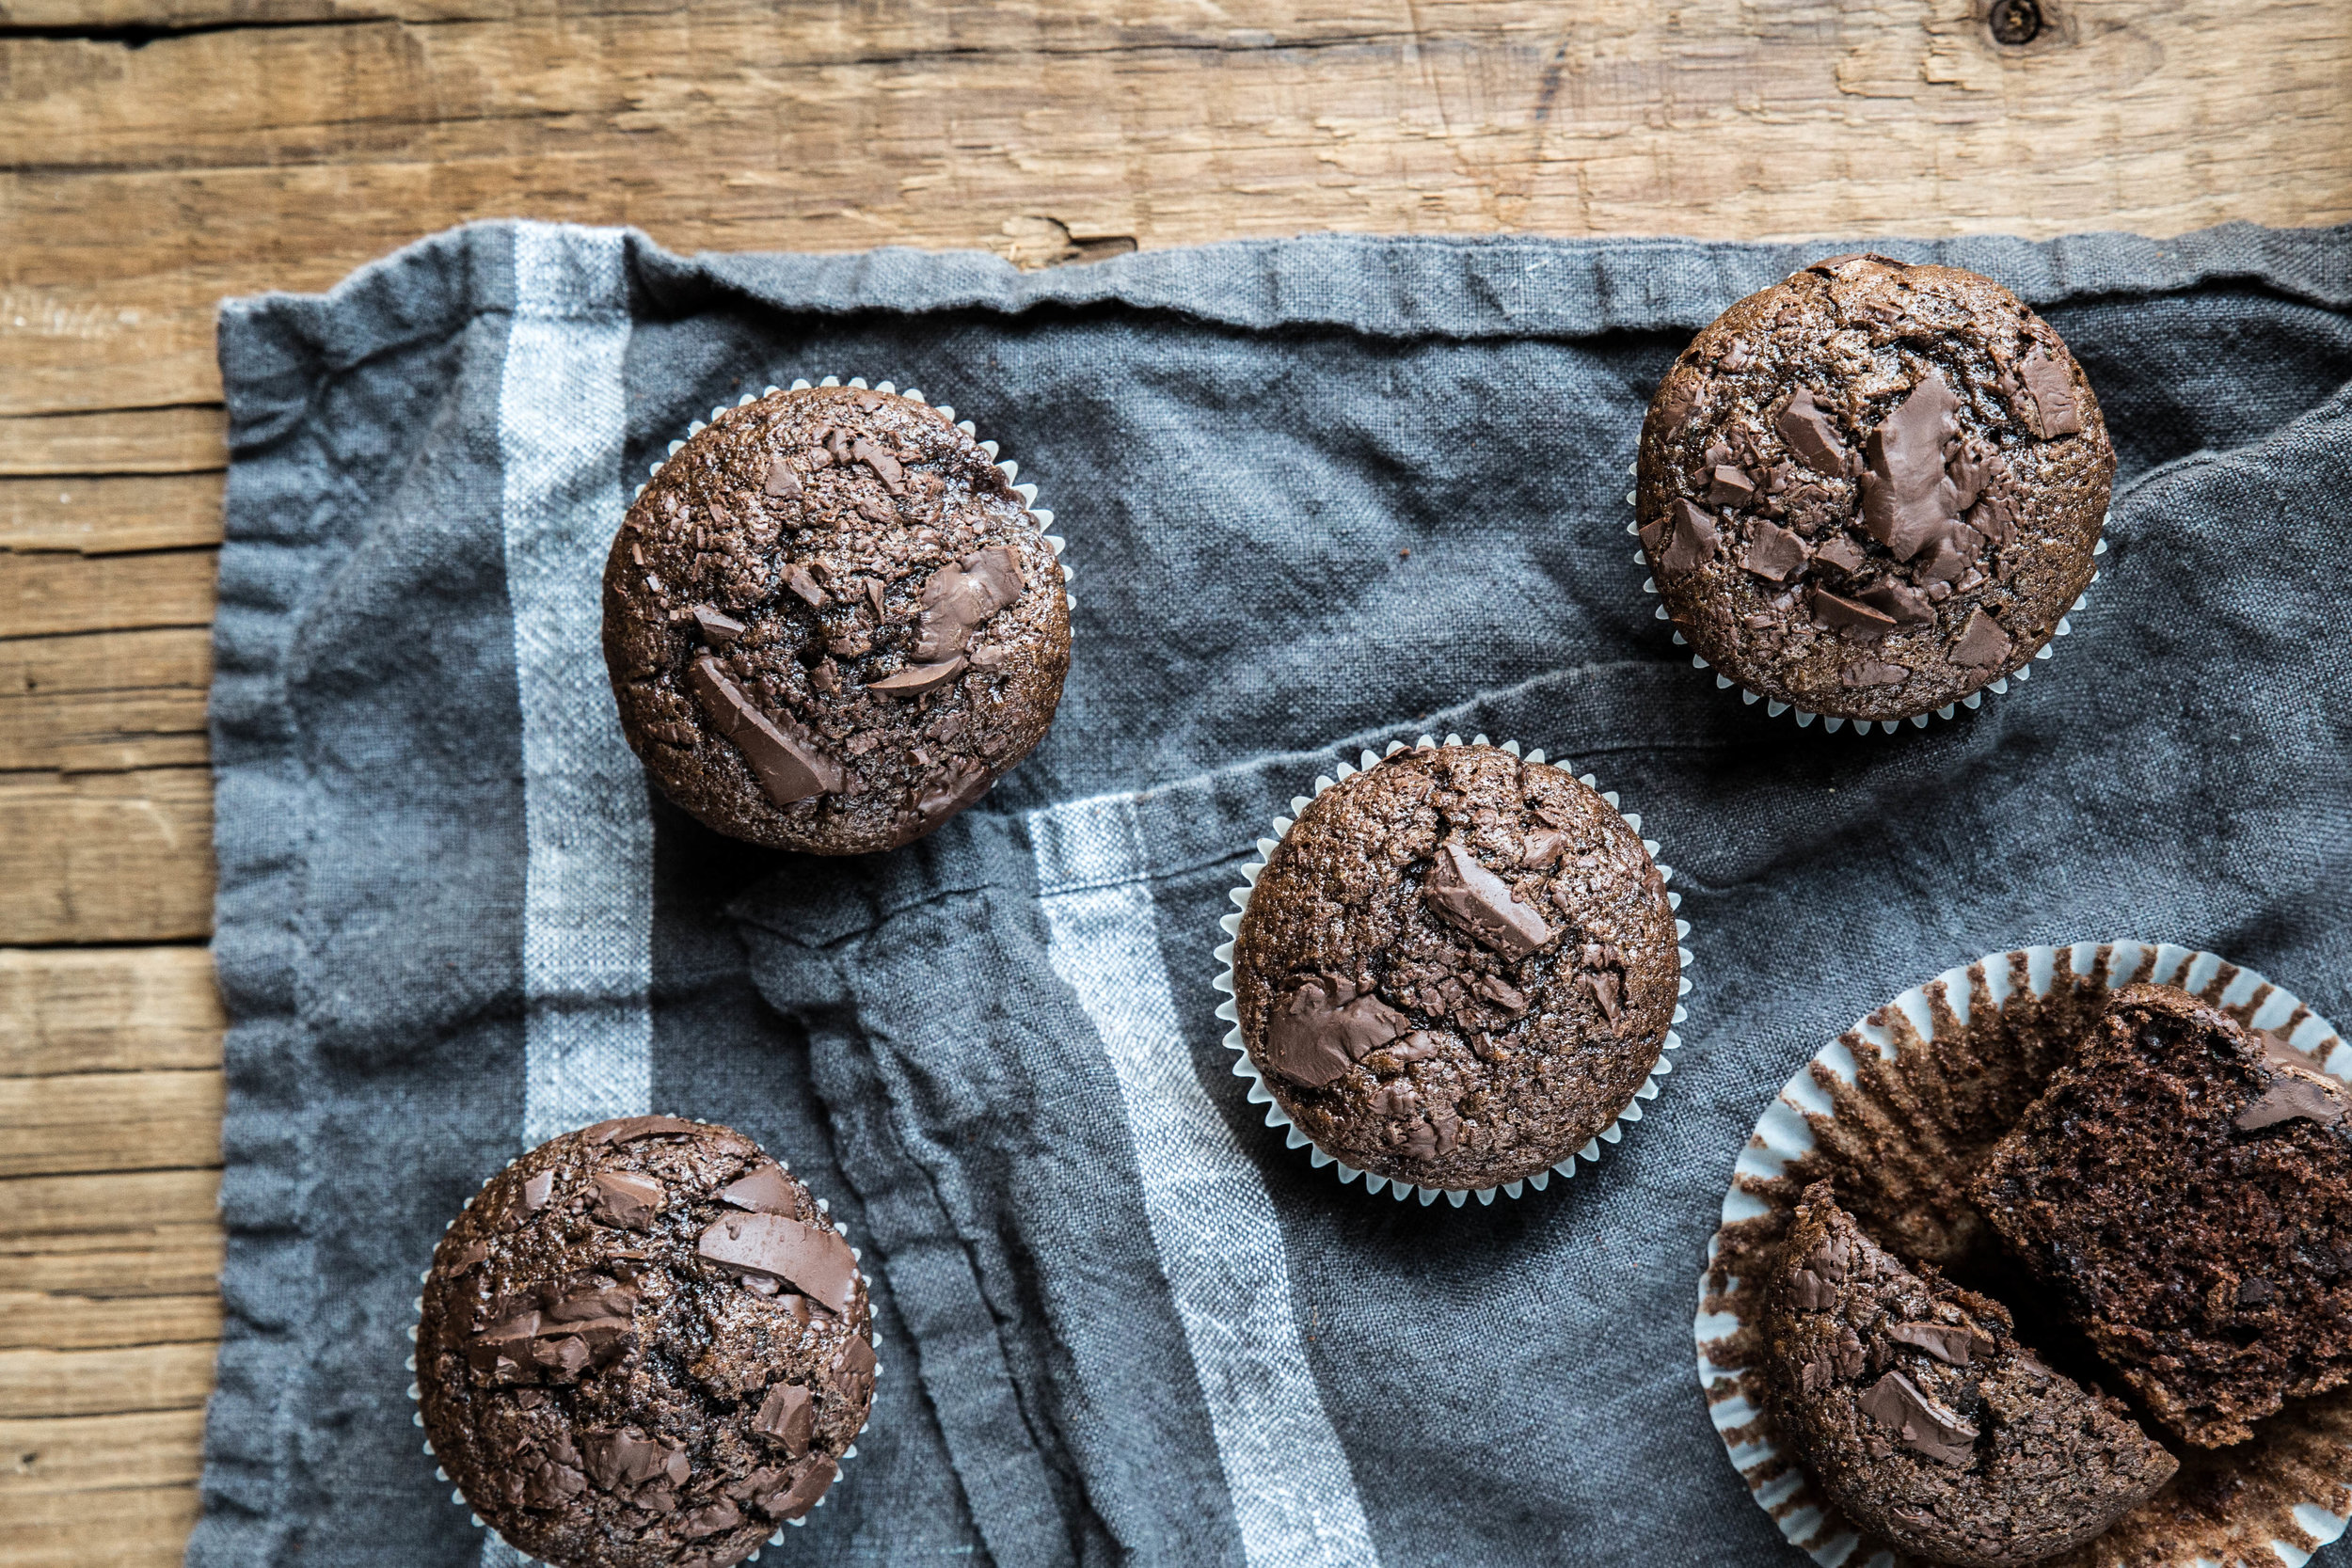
(291, 153)
(106, 857)
(106, 1010)
(163, 153)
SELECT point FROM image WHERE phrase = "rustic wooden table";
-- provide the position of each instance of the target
(159, 154)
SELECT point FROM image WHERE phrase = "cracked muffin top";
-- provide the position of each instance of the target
(830, 623)
(644, 1343)
(1872, 489)
(1456, 968)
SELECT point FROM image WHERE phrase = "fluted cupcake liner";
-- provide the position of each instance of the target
(415, 1393)
(1830, 724)
(1375, 1184)
(1918, 1026)
(1011, 469)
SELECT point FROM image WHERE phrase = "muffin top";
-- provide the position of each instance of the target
(2230, 1291)
(1873, 488)
(1456, 967)
(1923, 1416)
(830, 623)
(644, 1343)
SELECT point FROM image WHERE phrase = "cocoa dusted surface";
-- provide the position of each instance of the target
(831, 623)
(1926, 1418)
(1903, 1142)
(1873, 488)
(643, 1344)
(1456, 968)
(2186, 1183)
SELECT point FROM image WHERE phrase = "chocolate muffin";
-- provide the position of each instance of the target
(1926, 1420)
(1456, 968)
(832, 623)
(644, 1343)
(1872, 489)
(2186, 1183)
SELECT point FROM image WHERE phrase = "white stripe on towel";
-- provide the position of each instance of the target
(1212, 1219)
(588, 894)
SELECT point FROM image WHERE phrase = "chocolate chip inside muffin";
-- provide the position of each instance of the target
(644, 1343)
(2186, 1183)
(1456, 967)
(1924, 1418)
(1874, 488)
(830, 623)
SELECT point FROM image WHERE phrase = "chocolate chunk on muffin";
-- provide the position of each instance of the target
(1923, 1418)
(2186, 1183)
(1456, 968)
(644, 1343)
(1873, 488)
(830, 623)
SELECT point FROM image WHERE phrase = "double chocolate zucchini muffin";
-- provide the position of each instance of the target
(644, 1343)
(1456, 968)
(831, 622)
(1872, 489)
(2185, 1184)
(1926, 1420)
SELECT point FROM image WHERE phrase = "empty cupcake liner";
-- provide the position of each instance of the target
(1925, 1018)
(415, 1394)
(1373, 1184)
(1774, 708)
(1011, 469)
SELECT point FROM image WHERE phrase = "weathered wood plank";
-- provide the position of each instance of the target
(168, 1260)
(110, 1121)
(46, 592)
(104, 701)
(39, 1319)
(111, 515)
(296, 152)
(105, 1009)
(97, 1453)
(108, 438)
(78, 1213)
(106, 857)
(143, 1527)
(105, 1382)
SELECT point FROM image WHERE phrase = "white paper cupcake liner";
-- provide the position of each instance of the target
(1373, 1184)
(1027, 493)
(1781, 1486)
(1830, 724)
(873, 1338)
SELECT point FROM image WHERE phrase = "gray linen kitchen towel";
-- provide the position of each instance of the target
(1320, 494)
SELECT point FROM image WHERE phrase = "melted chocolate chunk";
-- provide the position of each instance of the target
(1844, 614)
(2294, 1097)
(2053, 393)
(1919, 1424)
(797, 578)
(1812, 435)
(1693, 541)
(788, 1415)
(788, 767)
(781, 481)
(626, 1459)
(1322, 1027)
(1774, 553)
(916, 679)
(718, 629)
(812, 1258)
(766, 1190)
(958, 599)
(1905, 491)
(964, 784)
(1949, 1345)
(1897, 601)
(1481, 905)
(535, 1192)
(627, 1130)
(1842, 553)
(885, 467)
(1981, 644)
(1872, 671)
(1729, 486)
(629, 1200)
